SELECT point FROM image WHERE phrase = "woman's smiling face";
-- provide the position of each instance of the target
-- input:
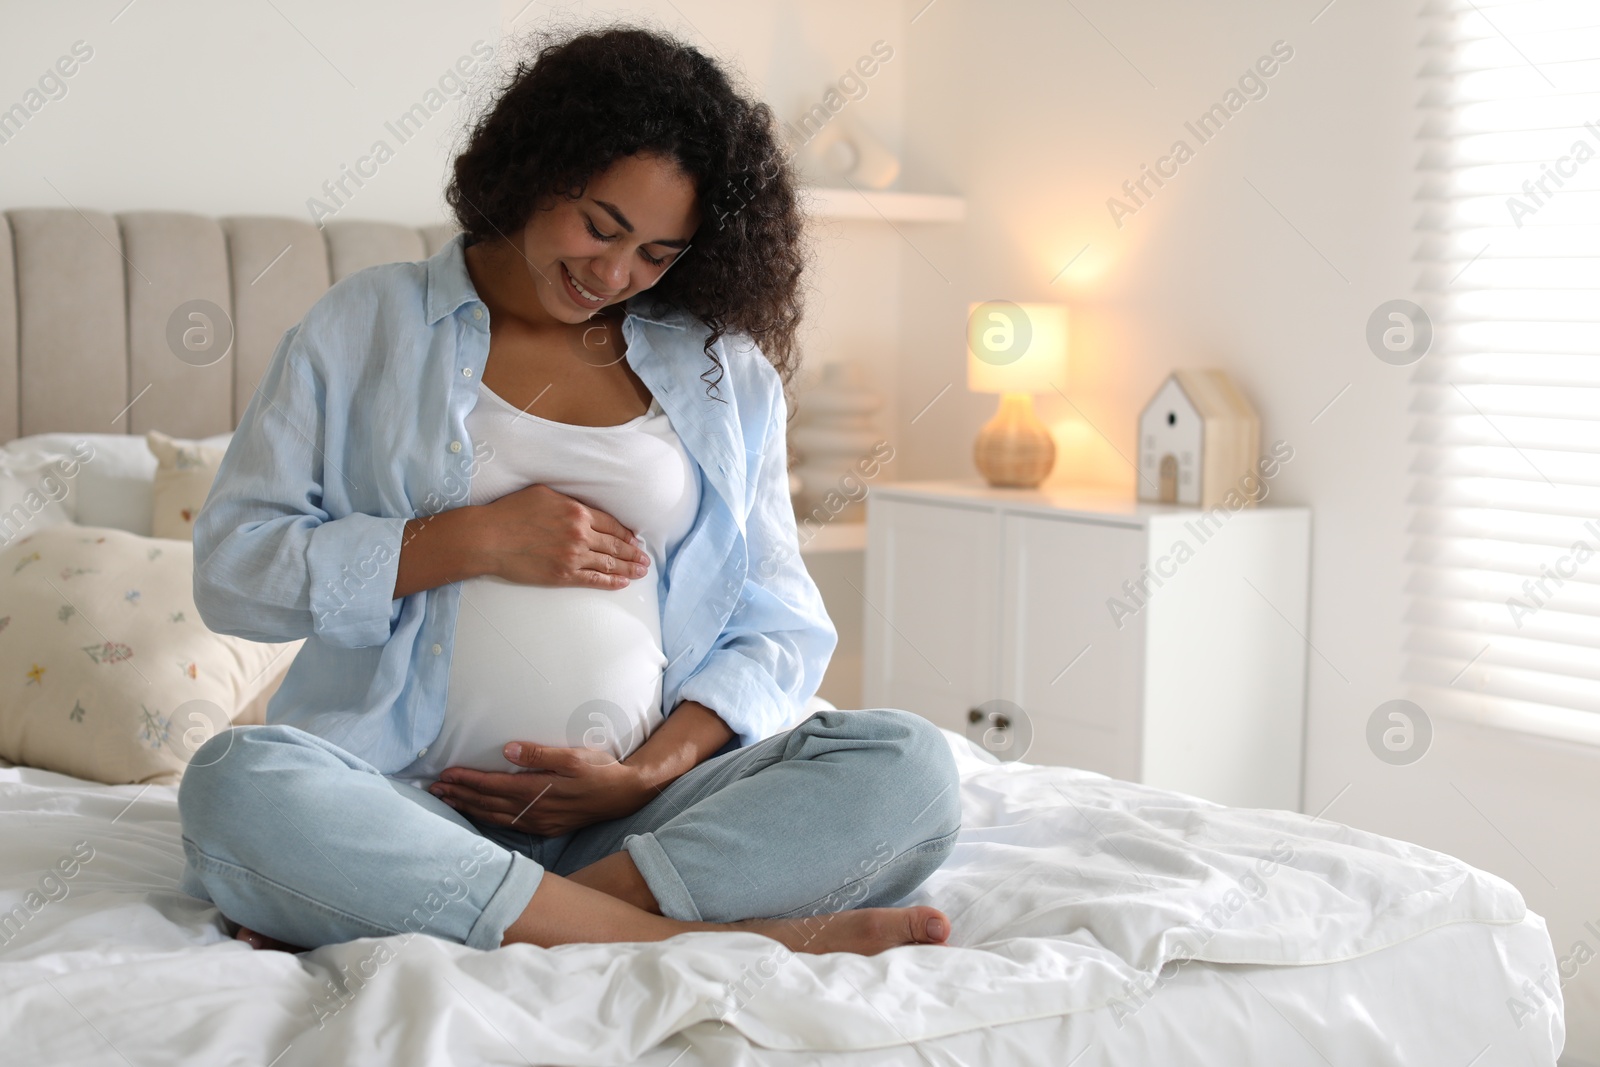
(631, 224)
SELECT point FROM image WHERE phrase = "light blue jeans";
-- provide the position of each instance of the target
(292, 836)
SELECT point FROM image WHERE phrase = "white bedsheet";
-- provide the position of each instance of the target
(1392, 1008)
(1068, 893)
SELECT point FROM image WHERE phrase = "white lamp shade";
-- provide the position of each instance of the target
(1016, 348)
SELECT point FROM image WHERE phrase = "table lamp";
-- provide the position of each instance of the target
(1015, 350)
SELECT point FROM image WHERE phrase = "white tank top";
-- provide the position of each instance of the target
(559, 665)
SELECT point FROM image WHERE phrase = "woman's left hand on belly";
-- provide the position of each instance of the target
(561, 790)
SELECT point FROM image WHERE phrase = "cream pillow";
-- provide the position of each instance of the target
(184, 473)
(35, 489)
(106, 670)
(111, 486)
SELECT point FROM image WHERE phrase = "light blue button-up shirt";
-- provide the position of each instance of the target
(359, 424)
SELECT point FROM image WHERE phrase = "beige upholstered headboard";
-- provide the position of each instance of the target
(85, 300)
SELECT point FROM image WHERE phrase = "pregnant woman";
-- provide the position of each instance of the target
(527, 502)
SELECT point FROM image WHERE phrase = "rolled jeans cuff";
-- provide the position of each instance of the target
(672, 896)
(509, 901)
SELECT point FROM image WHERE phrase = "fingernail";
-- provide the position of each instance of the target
(937, 929)
(513, 751)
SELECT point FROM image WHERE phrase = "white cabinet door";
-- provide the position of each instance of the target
(1075, 674)
(932, 601)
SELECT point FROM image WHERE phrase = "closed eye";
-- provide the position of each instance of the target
(598, 236)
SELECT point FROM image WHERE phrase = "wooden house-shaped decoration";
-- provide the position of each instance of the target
(1198, 438)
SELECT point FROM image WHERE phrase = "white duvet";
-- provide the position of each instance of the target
(1070, 894)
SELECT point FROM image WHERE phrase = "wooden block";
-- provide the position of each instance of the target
(1229, 442)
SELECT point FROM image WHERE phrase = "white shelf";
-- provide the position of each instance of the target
(881, 205)
(1087, 503)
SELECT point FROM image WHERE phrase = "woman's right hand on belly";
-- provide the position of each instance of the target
(538, 536)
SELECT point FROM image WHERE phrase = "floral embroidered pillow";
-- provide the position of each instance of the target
(106, 670)
(184, 473)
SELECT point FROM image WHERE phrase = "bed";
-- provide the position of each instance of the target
(1096, 921)
(1073, 898)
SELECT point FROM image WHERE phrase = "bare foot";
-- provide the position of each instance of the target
(272, 944)
(867, 931)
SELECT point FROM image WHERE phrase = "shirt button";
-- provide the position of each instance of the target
(466, 372)
(422, 752)
(455, 446)
(477, 313)
(437, 649)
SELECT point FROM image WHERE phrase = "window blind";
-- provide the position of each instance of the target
(1504, 548)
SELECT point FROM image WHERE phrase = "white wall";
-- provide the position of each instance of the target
(233, 108)
(1023, 106)
(1026, 108)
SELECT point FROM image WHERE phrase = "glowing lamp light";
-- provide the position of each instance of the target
(1015, 350)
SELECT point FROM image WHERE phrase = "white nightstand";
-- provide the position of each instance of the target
(1153, 643)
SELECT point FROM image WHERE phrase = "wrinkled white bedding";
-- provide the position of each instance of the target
(1068, 893)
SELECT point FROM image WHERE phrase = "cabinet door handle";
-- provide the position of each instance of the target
(1000, 722)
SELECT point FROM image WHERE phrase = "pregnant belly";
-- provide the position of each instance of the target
(576, 668)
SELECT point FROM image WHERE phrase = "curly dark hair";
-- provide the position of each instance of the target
(591, 97)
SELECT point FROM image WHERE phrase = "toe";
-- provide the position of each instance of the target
(929, 926)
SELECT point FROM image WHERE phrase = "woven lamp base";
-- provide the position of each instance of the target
(1014, 449)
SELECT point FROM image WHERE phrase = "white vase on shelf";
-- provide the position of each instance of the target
(842, 151)
(837, 440)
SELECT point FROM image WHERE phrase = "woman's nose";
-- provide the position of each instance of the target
(612, 270)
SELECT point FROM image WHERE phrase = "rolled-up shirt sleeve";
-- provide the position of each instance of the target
(770, 656)
(272, 561)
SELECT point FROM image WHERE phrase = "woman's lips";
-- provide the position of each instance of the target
(577, 294)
